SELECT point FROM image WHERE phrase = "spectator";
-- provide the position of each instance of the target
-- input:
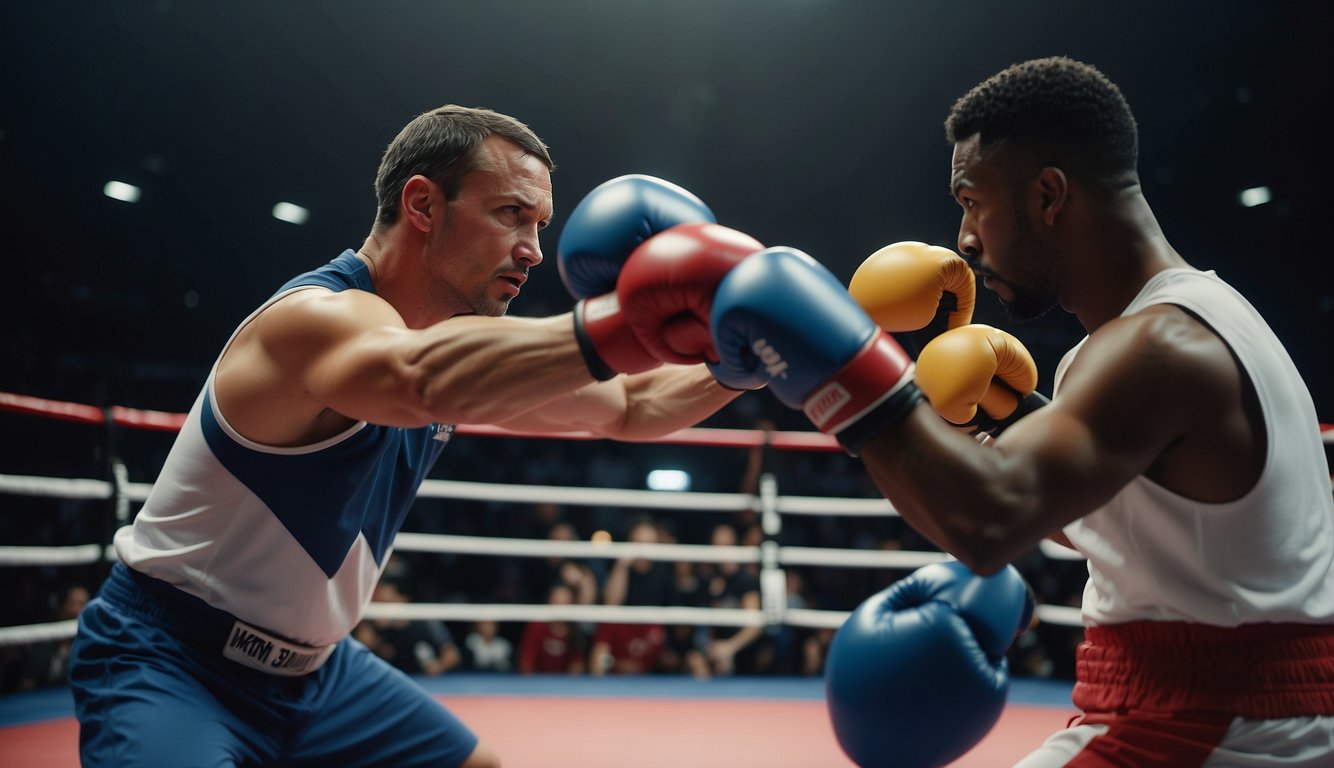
(418, 647)
(488, 650)
(48, 663)
(728, 650)
(633, 648)
(542, 572)
(553, 647)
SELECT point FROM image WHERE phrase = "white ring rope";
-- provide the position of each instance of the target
(483, 545)
(587, 497)
(38, 633)
(77, 554)
(828, 506)
(593, 614)
(770, 555)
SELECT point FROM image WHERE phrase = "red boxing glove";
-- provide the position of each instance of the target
(606, 341)
(666, 288)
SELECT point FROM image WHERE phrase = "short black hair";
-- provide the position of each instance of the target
(442, 146)
(1056, 110)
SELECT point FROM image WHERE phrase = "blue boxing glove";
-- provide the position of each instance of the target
(780, 318)
(612, 221)
(917, 675)
(601, 233)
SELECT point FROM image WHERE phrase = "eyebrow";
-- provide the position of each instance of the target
(525, 202)
(957, 183)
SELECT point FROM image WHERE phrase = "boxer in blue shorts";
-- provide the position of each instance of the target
(221, 638)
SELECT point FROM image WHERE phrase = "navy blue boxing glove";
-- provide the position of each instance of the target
(781, 319)
(603, 230)
(917, 675)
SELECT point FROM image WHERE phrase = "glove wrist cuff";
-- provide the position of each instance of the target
(885, 414)
(876, 374)
(606, 341)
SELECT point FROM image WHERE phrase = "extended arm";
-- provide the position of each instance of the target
(1139, 385)
(638, 407)
(349, 353)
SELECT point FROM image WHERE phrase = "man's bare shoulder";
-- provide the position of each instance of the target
(1162, 349)
(263, 379)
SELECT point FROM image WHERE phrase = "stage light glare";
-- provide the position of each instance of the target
(669, 480)
(119, 190)
(290, 213)
(1255, 196)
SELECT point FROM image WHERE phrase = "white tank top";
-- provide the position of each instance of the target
(1266, 557)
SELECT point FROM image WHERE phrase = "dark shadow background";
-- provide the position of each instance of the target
(811, 123)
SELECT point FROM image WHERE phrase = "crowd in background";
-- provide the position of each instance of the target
(48, 593)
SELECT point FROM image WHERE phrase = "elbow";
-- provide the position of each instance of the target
(983, 566)
(985, 550)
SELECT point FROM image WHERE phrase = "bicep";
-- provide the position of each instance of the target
(987, 504)
(349, 352)
(356, 356)
(1121, 405)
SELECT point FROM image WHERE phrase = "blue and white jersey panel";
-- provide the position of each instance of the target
(288, 539)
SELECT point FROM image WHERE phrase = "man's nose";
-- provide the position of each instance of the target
(969, 246)
(529, 251)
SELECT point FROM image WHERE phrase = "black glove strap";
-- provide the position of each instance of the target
(596, 365)
(885, 415)
(983, 422)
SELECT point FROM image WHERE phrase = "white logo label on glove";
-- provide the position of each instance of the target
(826, 401)
(601, 307)
(774, 364)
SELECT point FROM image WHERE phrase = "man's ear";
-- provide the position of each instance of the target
(416, 202)
(1053, 190)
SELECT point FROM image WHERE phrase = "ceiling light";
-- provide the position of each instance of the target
(1254, 196)
(119, 190)
(290, 213)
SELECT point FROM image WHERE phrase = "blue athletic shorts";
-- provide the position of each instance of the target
(151, 688)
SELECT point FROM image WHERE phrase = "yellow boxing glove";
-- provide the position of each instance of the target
(979, 378)
(913, 286)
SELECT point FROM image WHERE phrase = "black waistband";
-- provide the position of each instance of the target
(183, 615)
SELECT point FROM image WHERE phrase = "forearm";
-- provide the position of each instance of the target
(639, 407)
(483, 370)
(744, 637)
(670, 398)
(965, 498)
(613, 591)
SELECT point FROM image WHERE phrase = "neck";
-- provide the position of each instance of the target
(1126, 248)
(394, 260)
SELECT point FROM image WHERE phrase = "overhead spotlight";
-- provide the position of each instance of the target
(1255, 196)
(119, 190)
(290, 213)
(669, 480)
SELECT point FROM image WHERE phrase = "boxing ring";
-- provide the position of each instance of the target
(551, 720)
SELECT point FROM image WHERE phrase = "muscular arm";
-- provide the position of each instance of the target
(638, 407)
(1139, 385)
(349, 354)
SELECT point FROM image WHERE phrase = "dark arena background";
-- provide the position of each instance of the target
(165, 165)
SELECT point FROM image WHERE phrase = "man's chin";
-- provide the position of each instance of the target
(1023, 309)
(491, 308)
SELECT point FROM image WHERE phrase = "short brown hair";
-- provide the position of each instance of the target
(442, 146)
